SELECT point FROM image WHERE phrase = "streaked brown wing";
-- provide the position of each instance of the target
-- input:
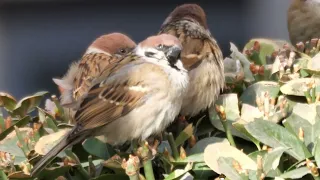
(196, 41)
(109, 100)
(90, 67)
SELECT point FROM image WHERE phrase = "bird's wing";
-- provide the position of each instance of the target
(89, 68)
(197, 42)
(114, 97)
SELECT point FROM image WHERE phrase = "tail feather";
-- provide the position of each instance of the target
(45, 160)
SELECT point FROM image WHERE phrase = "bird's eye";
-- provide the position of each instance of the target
(122, 51)
(160, 46)
(149, 54)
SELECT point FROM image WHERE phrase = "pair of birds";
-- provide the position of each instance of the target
(126, 91)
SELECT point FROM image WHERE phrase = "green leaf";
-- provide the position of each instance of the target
(98, 148)
(22, 122)
(313, 65)
(226, 167)
(215, 151)
(317, 151)
(203, 143)
(296, 174)
(250, 94)
(274, 136)
(296, 87)
(184, 135)
(271, 159)
(267, 47)
(307, 117)
(28, 104)
(239, 125)
(179, 172)
(3, 176)
(47, 142)
(7, 101)
(112, 176)
(53, 172)
(255, 154)
(248, 77)
(195, 158)
(230, 104)
(9, 145)
(202, 171)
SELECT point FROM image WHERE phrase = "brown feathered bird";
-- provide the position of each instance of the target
(139, 96)
(100, 55)
(303, 20)
(201, 56)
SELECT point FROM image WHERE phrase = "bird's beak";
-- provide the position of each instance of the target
(173, 54)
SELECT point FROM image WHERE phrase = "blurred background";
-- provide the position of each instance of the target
(40, 38)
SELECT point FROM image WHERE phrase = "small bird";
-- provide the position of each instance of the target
(138, 97)
(303, 18)
(201, 56)
(102, 53)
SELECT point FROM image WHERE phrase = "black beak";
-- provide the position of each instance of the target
(173, 54)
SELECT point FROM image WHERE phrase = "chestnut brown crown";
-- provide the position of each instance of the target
(114, 43)
(188, 11)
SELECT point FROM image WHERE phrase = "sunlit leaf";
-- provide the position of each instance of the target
(275, 135)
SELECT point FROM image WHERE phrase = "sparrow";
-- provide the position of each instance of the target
(136, 98)
(201, 56)
(103, 52)
(303, 18)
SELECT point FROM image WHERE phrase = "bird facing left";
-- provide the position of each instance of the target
(138, 97)
(99, 56)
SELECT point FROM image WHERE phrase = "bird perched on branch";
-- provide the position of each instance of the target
(100, 55)
(139, 96)
(201, 56)
(303, 20)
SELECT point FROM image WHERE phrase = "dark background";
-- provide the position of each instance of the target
(40, 38)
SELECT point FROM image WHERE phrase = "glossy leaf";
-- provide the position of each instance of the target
(236, 55)
(317, 151)
(179, 172)
(7, 101)
(271, 159)
(306, 117)
(296, 87)
(226, 167)
(250, 94)
(274, 136)
(184, 135)
(202, 171)
(231, 107)
(215, 151)
(296, 174)
(28, 104)
(98, 148)
(9, 144)
(203, 143)
(47, 142)
(22, 122)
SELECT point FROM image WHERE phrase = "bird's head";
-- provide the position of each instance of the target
(191, 12)
(163, 49)
(116, 44)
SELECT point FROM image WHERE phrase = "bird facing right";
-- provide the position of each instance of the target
(303, 20)
(201, 56)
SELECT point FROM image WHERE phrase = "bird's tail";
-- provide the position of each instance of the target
(45, 160)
